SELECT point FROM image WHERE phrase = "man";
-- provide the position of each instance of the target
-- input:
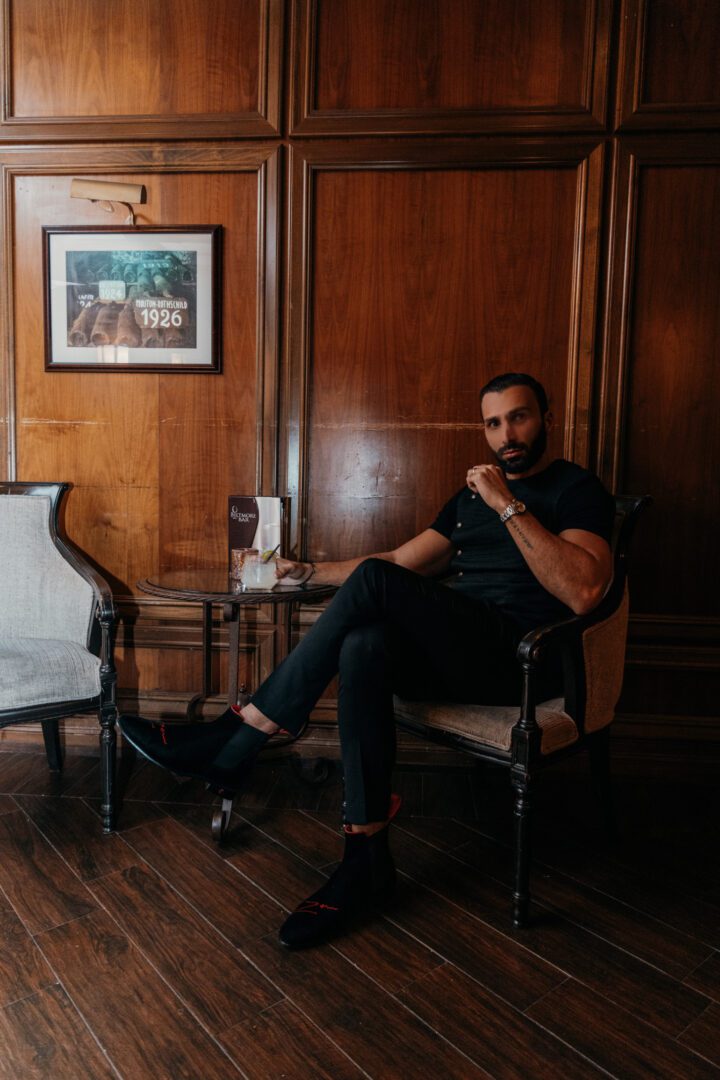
(525, 542)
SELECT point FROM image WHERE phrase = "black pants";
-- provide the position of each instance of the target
(389, 630)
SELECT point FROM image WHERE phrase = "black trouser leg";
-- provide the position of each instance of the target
(366, 722)
(432, 641)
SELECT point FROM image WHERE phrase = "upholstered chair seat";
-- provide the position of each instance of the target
(56, 622)
(34, 671)
(491, 725)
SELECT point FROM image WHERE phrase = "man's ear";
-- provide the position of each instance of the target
(549, 420)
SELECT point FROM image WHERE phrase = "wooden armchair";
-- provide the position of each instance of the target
(56, 625)
(539, 733)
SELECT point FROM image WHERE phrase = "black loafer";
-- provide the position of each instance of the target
(220, 752)
(363, 883)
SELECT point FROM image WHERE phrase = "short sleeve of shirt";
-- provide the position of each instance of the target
(446, 520)
(586, 505)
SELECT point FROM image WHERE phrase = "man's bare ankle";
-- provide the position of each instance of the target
(256, 719)
(369, 830)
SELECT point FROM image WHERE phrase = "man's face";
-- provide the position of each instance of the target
(515, 430)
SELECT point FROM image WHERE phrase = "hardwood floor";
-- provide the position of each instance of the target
(153, 953)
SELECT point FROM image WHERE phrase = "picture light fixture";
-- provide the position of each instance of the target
(108, 192)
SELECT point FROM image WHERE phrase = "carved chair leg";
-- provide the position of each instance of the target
(53, 749)
(521, 813)
(599, 753)
(108, 743)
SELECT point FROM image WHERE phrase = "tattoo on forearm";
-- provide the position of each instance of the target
(518, 529)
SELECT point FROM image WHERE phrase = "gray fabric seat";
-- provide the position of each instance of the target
(36, 671)
(56, 623)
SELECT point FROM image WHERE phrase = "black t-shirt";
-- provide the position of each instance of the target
(487, 562)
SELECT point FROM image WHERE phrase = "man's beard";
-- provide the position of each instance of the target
(530, 454)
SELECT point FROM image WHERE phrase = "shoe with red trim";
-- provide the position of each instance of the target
(220, 752)
(363, 882)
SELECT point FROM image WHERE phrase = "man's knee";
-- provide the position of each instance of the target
(371, 576)
(363, 651)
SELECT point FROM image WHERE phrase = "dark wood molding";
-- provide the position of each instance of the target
(306, 119)
(673, 653)
(634, 112)
(263, 123)
(630, 156)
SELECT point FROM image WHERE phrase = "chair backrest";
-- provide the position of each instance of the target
(43, 596)
(603, 647)
(603, 642)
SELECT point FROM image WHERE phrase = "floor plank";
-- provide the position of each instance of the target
(492, 958)
(318, 846)
(213, 980)
(655, 942)
(22, 967)
(614, 1038)
(706, 978)
(666, 897)
(703, 1035)
(612, 971)
(357, 1015)
(40, 886)
(43, 1038)
(281, 1042)
(76, 833)
(226, 899)
(29, 773)
(140, 1023)
(131, 814)
(505, 1041)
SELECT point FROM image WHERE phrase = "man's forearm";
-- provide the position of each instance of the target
(566, 570)
(335, 573)
(428, 553)
(329, 573)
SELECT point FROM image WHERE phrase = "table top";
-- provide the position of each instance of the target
(218, 587)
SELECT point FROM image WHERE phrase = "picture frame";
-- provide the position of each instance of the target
(122, 298)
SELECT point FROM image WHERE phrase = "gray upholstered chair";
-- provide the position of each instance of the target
(528, 738)
(56, 625)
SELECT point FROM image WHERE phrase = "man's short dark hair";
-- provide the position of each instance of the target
(516, 378)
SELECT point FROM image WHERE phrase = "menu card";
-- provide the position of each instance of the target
(255, 521)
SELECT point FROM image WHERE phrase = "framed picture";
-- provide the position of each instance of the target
(127, 299)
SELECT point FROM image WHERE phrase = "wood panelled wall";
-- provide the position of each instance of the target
(414, 194)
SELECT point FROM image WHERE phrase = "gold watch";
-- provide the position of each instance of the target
(512, 508)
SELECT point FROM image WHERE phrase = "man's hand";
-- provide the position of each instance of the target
(575, 566)
(489, 483)
(293, 571)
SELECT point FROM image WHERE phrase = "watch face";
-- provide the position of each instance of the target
(514, 507)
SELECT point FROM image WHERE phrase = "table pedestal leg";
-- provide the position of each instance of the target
(207, 688)
(237, 695)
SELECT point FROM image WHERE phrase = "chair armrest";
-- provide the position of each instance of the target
(106, 613)
(106, 610)
(536, 642)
